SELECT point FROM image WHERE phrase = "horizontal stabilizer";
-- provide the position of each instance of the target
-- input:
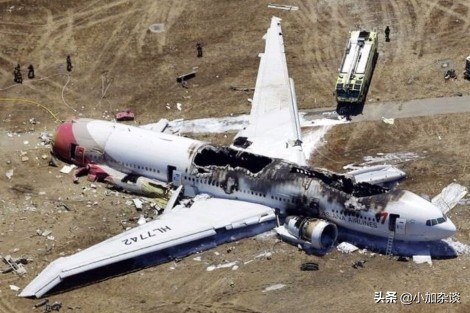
(207, 223)
(449, 197)
(377, 175)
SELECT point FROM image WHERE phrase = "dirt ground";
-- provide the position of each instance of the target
(118, 63)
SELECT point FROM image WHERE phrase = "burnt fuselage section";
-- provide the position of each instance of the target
(292, 189)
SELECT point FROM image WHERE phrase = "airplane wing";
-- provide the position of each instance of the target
(206, 224)
(274, 128)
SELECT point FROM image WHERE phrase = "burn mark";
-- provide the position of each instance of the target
(225, 156)
(341, 182)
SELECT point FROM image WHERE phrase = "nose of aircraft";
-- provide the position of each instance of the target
(445, 230)
(63, 139)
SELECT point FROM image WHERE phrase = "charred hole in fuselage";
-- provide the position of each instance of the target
(224, 156)
(342, 183)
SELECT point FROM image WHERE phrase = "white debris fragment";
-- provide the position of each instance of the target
(67, 168)
(210, 268)
(420, 259)
(179, 106)
(14, 288)
(389, 121)
(50, 237)
(9, 174)
(274, 287)
(141, 220)
(235, 267)
(137, 204)
(283, 7)
(26, 142)
(46, 233)
(226, 265)
(346, 247)
(24, 158)
(449, 197)
(265, 254)
(198, 258)
(45, 138)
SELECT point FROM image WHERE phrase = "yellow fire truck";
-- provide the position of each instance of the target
(356, 68)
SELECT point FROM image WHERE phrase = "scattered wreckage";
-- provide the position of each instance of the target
(261, 178)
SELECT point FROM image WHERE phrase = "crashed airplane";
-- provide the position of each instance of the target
(263, 175)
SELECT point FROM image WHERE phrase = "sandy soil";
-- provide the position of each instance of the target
(119, 63)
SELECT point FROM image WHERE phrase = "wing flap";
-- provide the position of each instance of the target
(206, 223)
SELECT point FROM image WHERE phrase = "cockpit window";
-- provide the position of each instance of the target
(436, 221)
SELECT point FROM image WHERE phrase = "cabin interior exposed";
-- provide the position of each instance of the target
(225, 156)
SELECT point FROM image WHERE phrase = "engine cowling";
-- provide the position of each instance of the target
(320, 233)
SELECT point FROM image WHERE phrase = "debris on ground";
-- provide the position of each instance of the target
(274, 287)
(389, 121)
(450, 74)
(56, 306)
(137, 204)
(9, 174)
(233, 265)
(67, 169)
(359, 264)
(125, 115)
(309, 266)
(43, 302)
(287, 7)
(235, 88)
(184, 77)
(346, 247)
(15, 264)
(14, 288)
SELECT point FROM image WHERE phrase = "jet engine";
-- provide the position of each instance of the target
(320, 233)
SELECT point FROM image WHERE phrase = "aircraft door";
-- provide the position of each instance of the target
(176, 179)
(400, 226)
(169, 173)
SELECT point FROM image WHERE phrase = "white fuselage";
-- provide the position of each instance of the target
(233, 174)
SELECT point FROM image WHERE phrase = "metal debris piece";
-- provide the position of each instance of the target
(359, 263)
(43, 302)
(157, 28)
(15, 264)
(14, 288)
(67, 168)
(241, 88)
(283, 7)
(186, 76)
(138, 204)
(309, 266)
(56, 306)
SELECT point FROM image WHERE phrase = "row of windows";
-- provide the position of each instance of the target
(139, 167)
(354, 214)
(215, 183)
(436, 221)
